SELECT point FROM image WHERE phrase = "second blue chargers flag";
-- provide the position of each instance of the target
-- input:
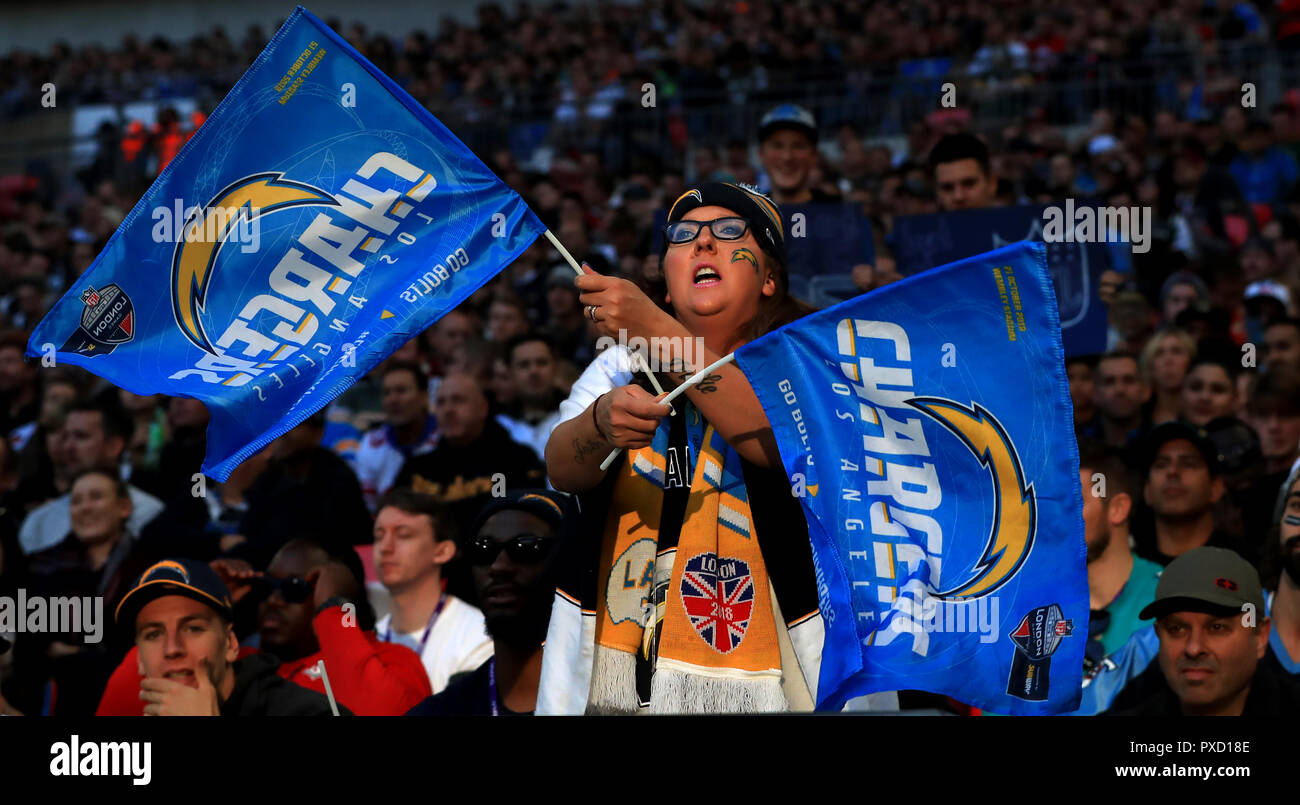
(319, 219)
(927, 430)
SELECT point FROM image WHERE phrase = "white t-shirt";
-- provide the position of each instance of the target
(458, 642)
(610, 369)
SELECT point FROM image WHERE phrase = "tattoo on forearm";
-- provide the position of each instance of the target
(585, 447)
(709, 384)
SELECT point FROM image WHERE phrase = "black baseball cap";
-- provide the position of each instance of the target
(1214, 580)
(186, 577)
(1162, 434)
(556, 508)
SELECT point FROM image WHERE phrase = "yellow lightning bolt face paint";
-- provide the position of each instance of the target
(1012, 534)
(743, 254)
(205, 232)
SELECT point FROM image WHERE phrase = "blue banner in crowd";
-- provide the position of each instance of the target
(926, 428)
(318, 220)
(924, 241)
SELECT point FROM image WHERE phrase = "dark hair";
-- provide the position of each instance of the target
(421, 379)
(412, 502)
(1112, 356)
(1215, 357)
(956, 147)
(1100, 457)
(14, 339)
(1277, 390)
(510, 299)
(116, 422)
(528, 338)
(1289, 321)
(111, 473)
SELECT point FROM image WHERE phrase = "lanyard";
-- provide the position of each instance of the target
(492, 685)
(388, 634)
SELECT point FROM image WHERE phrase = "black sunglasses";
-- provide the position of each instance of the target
(294, 590)
(525, 549)
(680, 232)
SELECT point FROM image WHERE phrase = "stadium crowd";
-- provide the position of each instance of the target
(375, 535)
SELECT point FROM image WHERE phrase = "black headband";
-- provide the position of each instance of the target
(763, 216)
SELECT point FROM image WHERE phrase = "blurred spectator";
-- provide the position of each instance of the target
(94, 435)
(304, 489)
(963, 176)
(98, 558)
(536, 407)
(787, 149)
(1081, 370)
(1164, 363)
(566, 325)
(409, 430)
(1182, 290)
(1209, 390)
(1120, 396)
(513, 553)
(1265, 173)
(19, 384)
(415, 538)
(1119, 583)
(507, 318)
(1282, 344)
(474, 454)
(1275, 412)
(1284, 551)
(1183, 482)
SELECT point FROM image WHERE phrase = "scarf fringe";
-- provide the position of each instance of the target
(613, 683)
(675, 692)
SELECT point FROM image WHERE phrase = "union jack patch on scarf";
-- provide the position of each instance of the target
(718, 594)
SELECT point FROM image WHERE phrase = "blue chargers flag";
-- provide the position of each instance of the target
(924, 241)
(926, 428)
(318, 220)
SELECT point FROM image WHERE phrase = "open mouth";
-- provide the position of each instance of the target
(184, 676)
(707, 275)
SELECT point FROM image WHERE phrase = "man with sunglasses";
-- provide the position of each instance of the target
(415, 538)
(316, 610)
(512, 554)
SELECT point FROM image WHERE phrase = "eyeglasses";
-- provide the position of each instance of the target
(525, 549)
(680, 232)
(294, 590)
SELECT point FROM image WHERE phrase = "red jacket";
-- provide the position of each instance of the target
(369, 676)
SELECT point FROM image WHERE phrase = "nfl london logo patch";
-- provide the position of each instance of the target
(718, 594)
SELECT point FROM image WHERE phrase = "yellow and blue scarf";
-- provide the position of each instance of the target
(693, 621)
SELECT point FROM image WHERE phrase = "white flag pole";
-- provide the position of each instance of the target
(329, 692)
(687, 383)
(636, 356)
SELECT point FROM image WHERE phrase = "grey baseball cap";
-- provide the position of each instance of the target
(1206, 579)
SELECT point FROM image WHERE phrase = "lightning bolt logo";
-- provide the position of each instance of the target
(1015, 519)
(248, 198)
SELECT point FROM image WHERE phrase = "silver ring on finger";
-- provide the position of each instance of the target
(591, 313)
